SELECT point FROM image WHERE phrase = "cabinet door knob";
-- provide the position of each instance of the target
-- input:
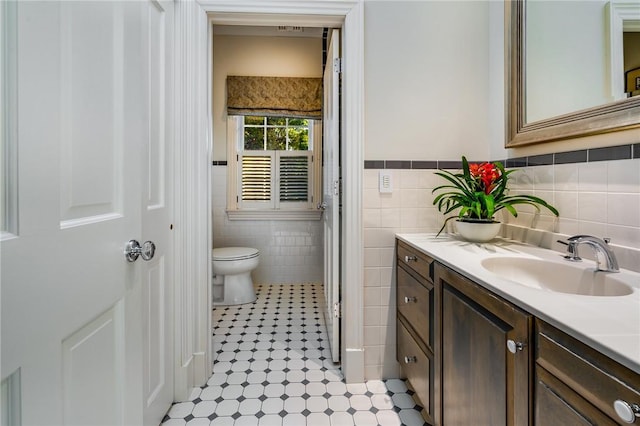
(409, 299)
(514, 346)
(627, 412)
(410, 258)
(410, 359)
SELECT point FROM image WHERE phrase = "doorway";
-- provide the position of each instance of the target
(349, 17)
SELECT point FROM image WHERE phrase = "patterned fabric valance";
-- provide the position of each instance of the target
(275, 96)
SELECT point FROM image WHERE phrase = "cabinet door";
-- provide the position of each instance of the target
(483, 383)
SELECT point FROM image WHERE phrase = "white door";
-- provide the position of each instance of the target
(157, 179)
(331, 191)
(72, 333)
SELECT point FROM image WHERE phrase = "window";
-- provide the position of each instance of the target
(274, 173)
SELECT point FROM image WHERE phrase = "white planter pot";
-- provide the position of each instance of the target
(478, 232)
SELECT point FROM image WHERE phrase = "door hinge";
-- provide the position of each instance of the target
(336, 310)
(336, 188)
(337, 65)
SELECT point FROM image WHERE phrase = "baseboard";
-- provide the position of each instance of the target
(353, 365)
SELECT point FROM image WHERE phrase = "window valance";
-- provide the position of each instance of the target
(297, 97)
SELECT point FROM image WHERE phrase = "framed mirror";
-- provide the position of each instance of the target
(585, 97)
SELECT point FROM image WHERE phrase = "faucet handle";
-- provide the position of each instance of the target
(572, 249)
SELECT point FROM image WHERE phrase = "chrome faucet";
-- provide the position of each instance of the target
(604, 254)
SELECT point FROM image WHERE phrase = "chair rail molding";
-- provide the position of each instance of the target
(348, 15)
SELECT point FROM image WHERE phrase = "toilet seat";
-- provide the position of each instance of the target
(235, 253)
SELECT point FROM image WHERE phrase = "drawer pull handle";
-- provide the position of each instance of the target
(410, 359)
(409, 299)
(627, 412)
(514, 346)
(410, 258)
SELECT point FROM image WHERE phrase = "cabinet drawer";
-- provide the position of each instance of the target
(557, 404)
(415, 303)
(590, 374)
(415, 260)
(415, 364)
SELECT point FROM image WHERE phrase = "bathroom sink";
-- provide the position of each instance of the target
(571, 278)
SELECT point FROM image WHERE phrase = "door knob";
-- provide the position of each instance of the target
(133, 249)
(322, 205)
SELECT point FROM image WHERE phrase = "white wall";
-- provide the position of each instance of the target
(426, 74)
(290, 251)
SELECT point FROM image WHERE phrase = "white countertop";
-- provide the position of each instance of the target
(610, 325)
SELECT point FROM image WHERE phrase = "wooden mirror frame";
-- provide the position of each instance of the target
(615, 116)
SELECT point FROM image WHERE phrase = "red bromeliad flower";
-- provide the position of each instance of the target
(486, 174)
(480, 191)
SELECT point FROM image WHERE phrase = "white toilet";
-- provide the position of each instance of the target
(232, 266)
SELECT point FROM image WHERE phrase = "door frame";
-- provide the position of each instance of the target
(193, 184)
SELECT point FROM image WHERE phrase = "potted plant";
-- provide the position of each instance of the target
(479, 192)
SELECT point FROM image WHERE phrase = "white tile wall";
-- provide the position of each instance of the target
(600, 198)
(407, 209)
(290, 251)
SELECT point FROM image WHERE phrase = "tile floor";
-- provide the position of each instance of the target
(272, 366)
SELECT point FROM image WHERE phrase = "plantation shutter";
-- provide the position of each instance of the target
(256, 178)
(294, 178)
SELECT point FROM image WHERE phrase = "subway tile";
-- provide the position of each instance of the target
(370, 179)
(592, 177)
(371, 218)
(610, 153)
(543, 177)
(390, 200)
(567, 204)
(447, 164)
(397, 164)
(570, 157)
(429, 180)
(424, 164)
(623, 176)
(624, 236)
(407, 179)
(390, 218)
(374, 164)
(410, 197)
(592, 207)
(565, 177)
(540, 160)
(623, 209)
(516, 162)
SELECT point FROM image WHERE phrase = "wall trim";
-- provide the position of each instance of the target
(192, 221)
(610, 153)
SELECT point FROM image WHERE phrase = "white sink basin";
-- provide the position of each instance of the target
(571, 278)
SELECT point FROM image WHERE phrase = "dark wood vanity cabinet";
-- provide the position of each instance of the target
(474, 358)
(415, 324)
(577, 385)
(485, 358)
(452, 345)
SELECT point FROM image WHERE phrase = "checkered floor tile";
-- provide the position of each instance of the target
(272, 366)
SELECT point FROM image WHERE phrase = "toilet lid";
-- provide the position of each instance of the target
(234, 253)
